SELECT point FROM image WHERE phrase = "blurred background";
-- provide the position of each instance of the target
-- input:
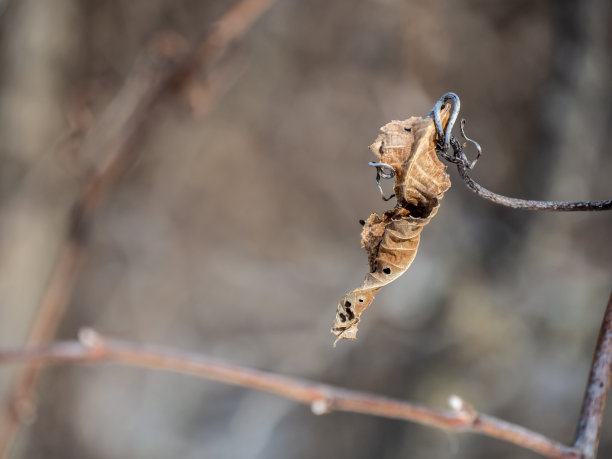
(235, 231)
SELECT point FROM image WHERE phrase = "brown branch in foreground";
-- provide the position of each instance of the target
(167, 65)
(591, 415)
(322, 398)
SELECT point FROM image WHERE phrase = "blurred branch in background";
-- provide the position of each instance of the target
(94, 348)
(169, 64)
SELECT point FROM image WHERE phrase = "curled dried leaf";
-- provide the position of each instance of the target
(391, 241)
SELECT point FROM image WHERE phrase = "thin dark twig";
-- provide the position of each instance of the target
(473, 142)
(591, 415)
(459, 158)
(444, 136)
(322, 398)
(526, 204)
(383, 170)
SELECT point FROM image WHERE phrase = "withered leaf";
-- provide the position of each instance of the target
(391, 241)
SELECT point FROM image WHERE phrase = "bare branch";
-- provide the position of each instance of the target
(168, 64)
(528, 204)
(322, 398)
(591, 415)
(445, 141)
(463, 166)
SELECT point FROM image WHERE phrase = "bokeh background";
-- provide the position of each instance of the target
(236, 231)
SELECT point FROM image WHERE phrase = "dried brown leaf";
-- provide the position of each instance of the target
(391, 241)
